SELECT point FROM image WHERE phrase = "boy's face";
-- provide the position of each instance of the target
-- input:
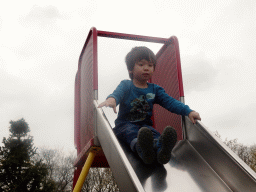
(143, 70)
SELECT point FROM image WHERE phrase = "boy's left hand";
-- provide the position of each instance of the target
(193, 116)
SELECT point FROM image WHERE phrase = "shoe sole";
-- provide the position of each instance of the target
(168, 139)
(145, 141)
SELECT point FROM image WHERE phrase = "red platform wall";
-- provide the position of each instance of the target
(166, 75)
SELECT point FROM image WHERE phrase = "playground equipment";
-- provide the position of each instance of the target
(200, 161)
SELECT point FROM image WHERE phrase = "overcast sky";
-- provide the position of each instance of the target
(40, 44)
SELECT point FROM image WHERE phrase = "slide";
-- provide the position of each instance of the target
(201, 162)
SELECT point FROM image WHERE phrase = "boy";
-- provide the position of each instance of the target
(136, 98)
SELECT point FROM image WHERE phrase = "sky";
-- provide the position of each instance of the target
(41, 41)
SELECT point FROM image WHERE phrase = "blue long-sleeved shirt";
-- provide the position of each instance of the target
(136, 104)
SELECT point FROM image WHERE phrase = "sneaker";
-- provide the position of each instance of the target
(165, 144)
(144, 146)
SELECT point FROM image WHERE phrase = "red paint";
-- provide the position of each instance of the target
(95, 58)
(132, 37)
(176, 43)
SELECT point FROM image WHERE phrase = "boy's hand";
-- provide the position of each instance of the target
(110, 102)
(193, 116)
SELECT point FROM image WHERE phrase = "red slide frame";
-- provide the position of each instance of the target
(168, 75)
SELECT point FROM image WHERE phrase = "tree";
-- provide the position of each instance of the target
(253, 154)
(100, 179)
(60, 167)
(241, 150)
(246, 153)
(18, 172)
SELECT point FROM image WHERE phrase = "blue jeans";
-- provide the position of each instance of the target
(128, 132)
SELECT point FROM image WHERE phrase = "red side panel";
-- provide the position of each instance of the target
(77, 112)
(176, 44)
(166, 75)
(86, 95)
(85, 84)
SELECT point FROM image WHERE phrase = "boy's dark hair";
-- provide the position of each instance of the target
(137, 54)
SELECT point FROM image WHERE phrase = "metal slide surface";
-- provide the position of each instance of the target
(201, 162)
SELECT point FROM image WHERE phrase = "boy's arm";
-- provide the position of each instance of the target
(114, 99)
(109, 102)
(194, 116)
(174, 105)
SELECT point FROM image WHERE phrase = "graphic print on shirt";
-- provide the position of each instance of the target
(140, 108)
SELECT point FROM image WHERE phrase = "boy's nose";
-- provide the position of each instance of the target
(145, 68)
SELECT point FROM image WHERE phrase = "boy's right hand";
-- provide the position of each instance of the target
(110, 102)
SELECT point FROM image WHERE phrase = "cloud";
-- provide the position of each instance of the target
(47, 109)
(0, 24)
(42, 44)
(39, 91)
(236, 122)
(17, 98)
(37, 72)
(235, 117)
(228, 104)
(43, 15)
(198, 73)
